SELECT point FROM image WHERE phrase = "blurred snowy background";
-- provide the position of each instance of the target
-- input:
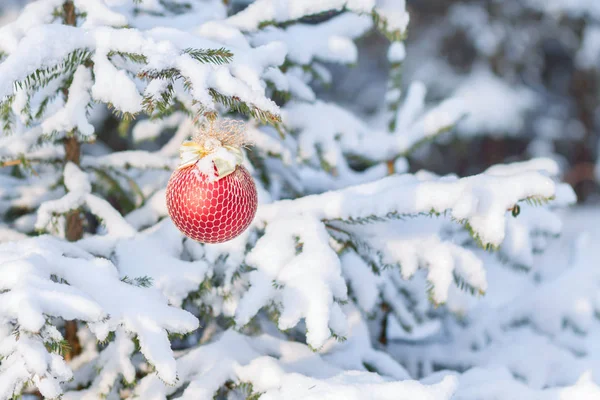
(529, 69)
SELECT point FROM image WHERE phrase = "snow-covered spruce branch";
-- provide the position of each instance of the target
(390, 17)
(84, 288)
(161, 58)
(301, 228)
(333, 129)
(481, 200)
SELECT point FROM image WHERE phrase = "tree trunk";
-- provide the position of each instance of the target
(74, 228)
(73, 232)
(74, 223)
(69, 10)
(385, 309)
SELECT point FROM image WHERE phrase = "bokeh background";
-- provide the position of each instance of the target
(530, 69)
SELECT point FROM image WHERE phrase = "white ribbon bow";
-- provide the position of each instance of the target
(225, 161)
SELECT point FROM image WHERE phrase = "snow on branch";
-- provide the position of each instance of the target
(34, 14)
(212, 72)
(535, 224)
(74, 113)
(88, 289)
(447, 264)
(131, 159)
(303, 279)
(277, 369)
(26, 358)
(481, 201)
(156, 253)
(390, 16)
(79, 195)
(101, 374)
(331, 131)
(329, 41)
(408, 301)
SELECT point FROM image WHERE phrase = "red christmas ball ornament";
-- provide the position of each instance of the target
(211, 197)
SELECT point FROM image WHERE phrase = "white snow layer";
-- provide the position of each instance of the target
(481, 200)
(283, 370)
(95, 293)
(331, 41)
(74, 113)
(393, 11)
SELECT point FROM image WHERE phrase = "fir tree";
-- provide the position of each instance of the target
(102, 297)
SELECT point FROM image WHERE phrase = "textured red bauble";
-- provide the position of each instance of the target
(211, 211)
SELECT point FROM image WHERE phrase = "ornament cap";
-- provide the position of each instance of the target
(216, 149)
